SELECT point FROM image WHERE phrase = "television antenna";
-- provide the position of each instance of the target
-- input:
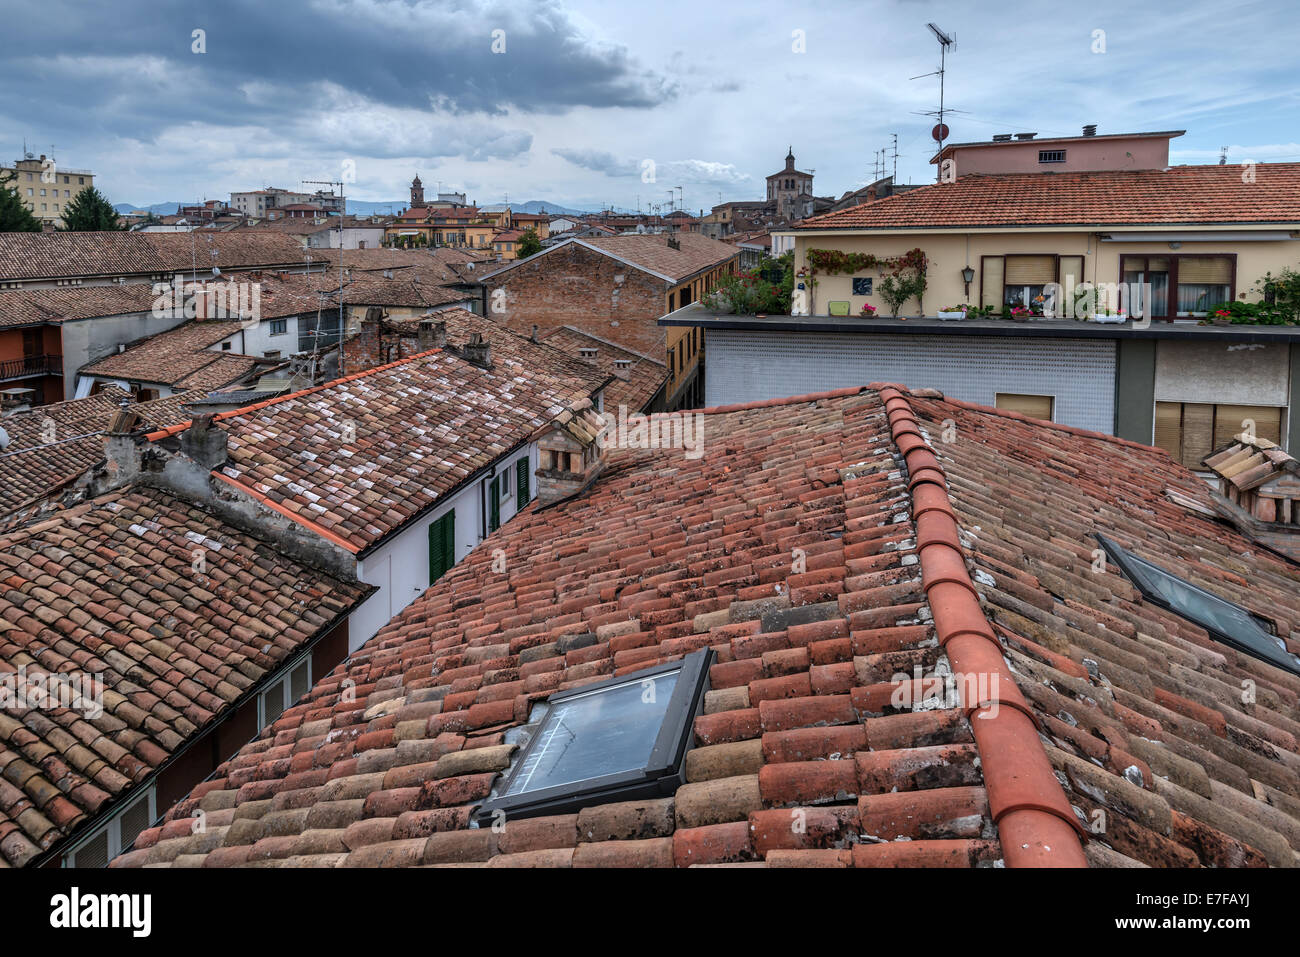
(940, 131)
(343, 208)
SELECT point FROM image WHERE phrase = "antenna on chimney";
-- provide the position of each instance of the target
(1223, 156)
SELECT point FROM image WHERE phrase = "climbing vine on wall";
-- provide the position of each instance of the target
(834, 262)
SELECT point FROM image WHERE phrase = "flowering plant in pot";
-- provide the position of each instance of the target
(868, 311)
(1021, 312)
(954, 312)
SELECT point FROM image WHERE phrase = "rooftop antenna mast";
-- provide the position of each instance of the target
(343, 208)
(940, 131)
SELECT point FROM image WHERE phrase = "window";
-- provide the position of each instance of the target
(81, 180)
(1034, 406)
(279, 697)
(1189, 431)
(318, 331)
(1182, 285)
(1051, 156)
(225, 346)
(616, 740)
(1227, 623)
(279, 327)
(442, 546)
(117, 835)
(1025, 278)
(273, 354)
(523, 481)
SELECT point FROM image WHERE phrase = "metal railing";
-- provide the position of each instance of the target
(29, 366)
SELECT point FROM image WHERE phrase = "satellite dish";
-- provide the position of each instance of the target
(216, 271)
(940, 132)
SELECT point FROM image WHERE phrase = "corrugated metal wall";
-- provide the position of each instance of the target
(749, 366)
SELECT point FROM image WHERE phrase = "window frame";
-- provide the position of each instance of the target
(1051, 156)
(285, 684)
(1281, 659)
(663, 773)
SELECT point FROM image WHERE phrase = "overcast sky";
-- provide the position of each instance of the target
(586, 92)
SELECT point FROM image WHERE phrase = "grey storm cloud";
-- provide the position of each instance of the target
(129, 64)
(699, 172)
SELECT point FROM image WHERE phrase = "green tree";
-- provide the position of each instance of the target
(89, 210)
(15, 217)
(529, 244)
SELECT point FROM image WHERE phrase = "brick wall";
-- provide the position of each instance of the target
(573, 286)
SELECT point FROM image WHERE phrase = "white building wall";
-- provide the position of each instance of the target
(400, 567)
(750, 366)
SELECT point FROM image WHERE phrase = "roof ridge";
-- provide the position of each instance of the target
(1035, 821)
(1049, 424)
(182, 426)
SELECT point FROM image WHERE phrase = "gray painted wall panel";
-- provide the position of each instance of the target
(750, 366)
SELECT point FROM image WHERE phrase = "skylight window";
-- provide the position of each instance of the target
(615, 740)
(1230, 624)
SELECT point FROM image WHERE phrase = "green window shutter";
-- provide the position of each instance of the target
(442, 546)
(523, 482)
(494, 505)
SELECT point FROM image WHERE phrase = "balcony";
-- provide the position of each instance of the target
(28, 366)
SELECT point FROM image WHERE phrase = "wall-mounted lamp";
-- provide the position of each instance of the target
(1175, 245)
(968, 276)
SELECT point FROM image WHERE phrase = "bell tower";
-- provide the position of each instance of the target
(417, 192)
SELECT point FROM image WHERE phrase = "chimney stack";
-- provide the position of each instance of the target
(431, 335)
(1090, 129)
(570, 455)
(204, 443)
(477, 351)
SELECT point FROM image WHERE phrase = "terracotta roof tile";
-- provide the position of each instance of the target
(108, 588)
(1104, 708)
(1179, 195)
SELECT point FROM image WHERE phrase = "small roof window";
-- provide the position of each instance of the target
(1230, 624)
(614, 740)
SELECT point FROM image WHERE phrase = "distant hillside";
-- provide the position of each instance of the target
(158, 209)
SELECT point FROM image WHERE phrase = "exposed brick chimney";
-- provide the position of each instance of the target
(570, 456)
(431, 335)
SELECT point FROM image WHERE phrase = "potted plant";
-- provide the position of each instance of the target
(1108, 315)
(868, 311)
(1021, 313)
(954, 312)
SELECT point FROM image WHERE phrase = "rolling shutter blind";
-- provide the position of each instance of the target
(1198, 433)
(1228, 421)
(991, 276)
(1072, 266)
(1034, 406)
(1216, 270)
(1030, 270)
(1169, 428)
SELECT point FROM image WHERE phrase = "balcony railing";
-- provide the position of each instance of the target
(30, 366)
